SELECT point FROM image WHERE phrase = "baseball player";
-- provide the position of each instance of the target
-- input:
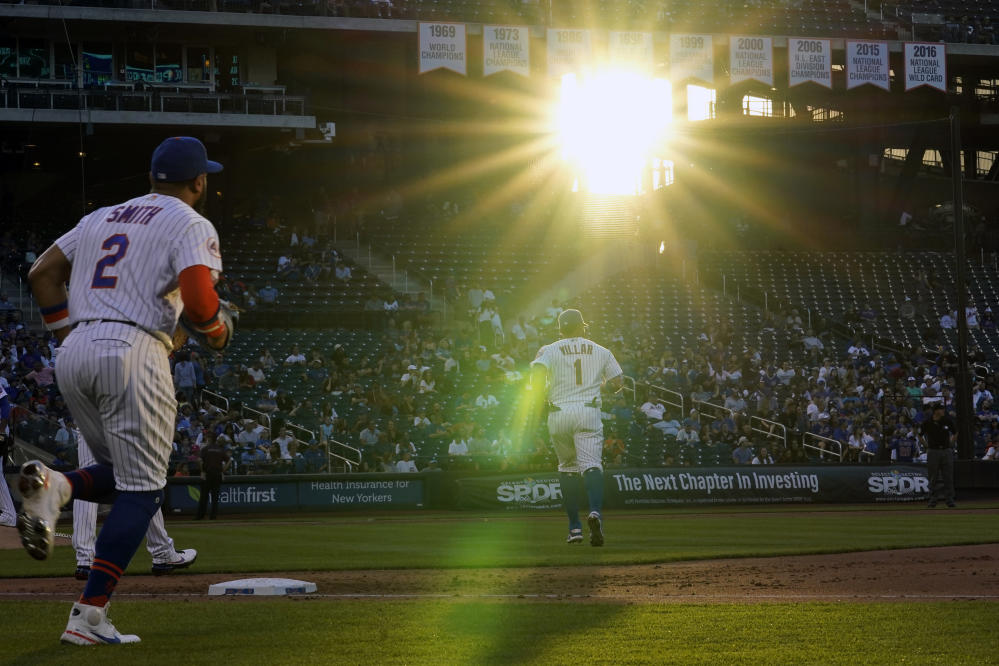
(166, 558)
(574, 369)
(135, 270)
(8, 516)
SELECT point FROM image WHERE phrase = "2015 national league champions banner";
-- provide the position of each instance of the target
(867, 62)
(750, 484)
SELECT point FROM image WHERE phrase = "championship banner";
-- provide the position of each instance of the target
(925, 65)
(691, 57)
(867, 62)
(569, 50)
(631, 50)
(443, 46)
(809, 60)
(749, 484)
(751, 58)
(506, 48)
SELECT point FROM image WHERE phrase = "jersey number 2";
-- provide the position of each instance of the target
(578, 365)
(102, 281)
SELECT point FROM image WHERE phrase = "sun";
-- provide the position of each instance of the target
(609, 125)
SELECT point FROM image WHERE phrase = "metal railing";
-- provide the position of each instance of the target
(40, 433)
(299, 430)
(769, 429)
(262, 418)
(215, 399)
(164, 101)
(633, 388)
(823, 445)
(711, 409)
(349, 463)
(668, 397)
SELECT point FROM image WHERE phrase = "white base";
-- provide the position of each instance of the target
(262, 587)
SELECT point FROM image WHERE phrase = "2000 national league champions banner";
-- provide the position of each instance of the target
(750, 484)
(751, 58)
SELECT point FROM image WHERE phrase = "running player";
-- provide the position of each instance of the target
(574, 369)
(166, 558)
(134, 267)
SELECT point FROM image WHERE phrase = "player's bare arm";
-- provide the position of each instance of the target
(48, 278)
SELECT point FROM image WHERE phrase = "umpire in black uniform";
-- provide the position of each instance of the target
(939, 434)
(213, 462)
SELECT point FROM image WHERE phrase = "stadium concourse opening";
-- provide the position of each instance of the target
(612, 127)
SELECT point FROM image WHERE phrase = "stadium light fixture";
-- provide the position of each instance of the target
(609, 124)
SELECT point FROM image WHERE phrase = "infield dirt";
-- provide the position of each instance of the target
(915, 574)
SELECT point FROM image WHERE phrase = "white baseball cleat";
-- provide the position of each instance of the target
(43, 493)
(596, 529)
(181, 559)
(575, 536)
(89, 625)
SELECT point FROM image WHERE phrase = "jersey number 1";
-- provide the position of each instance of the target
(578, 365)
(102, 281)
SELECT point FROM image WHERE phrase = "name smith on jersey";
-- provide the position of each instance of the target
(576, 348)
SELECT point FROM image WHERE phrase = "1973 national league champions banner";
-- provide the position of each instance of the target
(751, 58)
(443, 46)
(506, 49)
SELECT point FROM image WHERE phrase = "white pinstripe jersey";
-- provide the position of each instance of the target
(576, 369)
(127, 258)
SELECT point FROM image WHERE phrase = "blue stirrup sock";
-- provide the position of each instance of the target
(119, 538)
(593, 479)
(571, 494)
(91, 483)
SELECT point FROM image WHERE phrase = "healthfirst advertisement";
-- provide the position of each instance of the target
(260, 494)
(752, 484)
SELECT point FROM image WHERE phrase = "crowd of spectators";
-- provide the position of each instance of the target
(445, 395)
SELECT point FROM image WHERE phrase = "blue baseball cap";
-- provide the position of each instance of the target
(181, 158)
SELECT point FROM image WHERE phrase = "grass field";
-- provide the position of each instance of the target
(325, 632)
(475, 630)
(460, 540)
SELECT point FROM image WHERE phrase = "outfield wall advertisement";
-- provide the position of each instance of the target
(333, 493)
(721, 485)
